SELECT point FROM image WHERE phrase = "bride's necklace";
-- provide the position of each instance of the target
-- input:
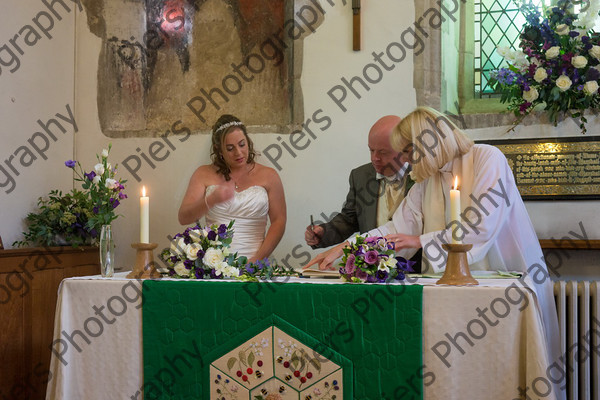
(235, 181)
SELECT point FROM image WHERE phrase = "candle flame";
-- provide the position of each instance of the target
(143, 191)
(455, 182)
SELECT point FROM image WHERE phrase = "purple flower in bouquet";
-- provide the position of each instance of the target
(371, 257)
(199, 273)
(70, 163)
(350, 266)
(371, 279)
(188, 264)
(222, 230)
(371, 240)
(211, 235)
(381, 276)
(362, 275)
(250, 270)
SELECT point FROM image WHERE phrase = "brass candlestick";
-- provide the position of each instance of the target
(457, 268)
(144, 262)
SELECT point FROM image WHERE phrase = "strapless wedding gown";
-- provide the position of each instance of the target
(249, 208)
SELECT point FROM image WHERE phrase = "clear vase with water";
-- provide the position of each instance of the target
(107, 252)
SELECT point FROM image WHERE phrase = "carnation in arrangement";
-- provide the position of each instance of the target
(372, 259)
(203, 253)
(557, 65)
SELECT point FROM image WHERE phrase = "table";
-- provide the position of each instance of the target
(478, 342)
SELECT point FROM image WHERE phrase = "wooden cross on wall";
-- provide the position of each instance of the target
(356, 25)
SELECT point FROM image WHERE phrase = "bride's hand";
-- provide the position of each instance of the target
(221, 193)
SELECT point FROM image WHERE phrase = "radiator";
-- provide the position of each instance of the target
(578, 306)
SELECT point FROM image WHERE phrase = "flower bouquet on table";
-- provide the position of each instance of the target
(203, 253)
(75, 218)
(558, 64)
(372, 259)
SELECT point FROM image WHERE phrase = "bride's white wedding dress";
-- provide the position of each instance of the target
(249, 208)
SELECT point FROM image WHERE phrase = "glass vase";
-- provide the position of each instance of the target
(107, 252)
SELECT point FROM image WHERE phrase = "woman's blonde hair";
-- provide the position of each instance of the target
(435, 140)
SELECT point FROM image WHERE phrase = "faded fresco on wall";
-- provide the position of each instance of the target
(179, 64)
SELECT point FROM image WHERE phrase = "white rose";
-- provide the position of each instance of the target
(99, 168)
(563, 82)
(104, 153)
(230, 272)
(110, 183)
(178, 246)
(192, 250)
(562, 29)
(530, 95)
(595, 52)
(181, 270)
(196, 235)
(213, 258)
(96, 179)
(579, 61)
(590, 87)
(552, 52)
(540, 75)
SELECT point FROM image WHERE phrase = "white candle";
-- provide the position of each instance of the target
(144, 217)
(455, 206)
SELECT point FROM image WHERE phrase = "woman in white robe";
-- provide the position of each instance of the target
(493, 217)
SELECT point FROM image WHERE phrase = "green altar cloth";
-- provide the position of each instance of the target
(367, 337)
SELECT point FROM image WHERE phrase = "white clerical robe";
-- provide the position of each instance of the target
(493, 219)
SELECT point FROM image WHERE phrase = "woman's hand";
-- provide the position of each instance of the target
(326, 259)
(402, 241)
(221, 194)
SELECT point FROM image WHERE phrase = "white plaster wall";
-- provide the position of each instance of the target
(38, 89)
(315, 181)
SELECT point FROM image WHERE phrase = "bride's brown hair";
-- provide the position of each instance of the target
(225, 124)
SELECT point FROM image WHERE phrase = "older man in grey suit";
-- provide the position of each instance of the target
(376, 190)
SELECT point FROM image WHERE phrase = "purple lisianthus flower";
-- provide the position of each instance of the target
(200, 253)
(70, 163)
(592, 74)
(371, 239)
(222, 230)
(93, 233)
(95, 210)
(405, 265)
(371, 257)
(115, 203)
(213, 274)
(122, 196)
(174, 259)
(250, 270)
(371, 279)
(573, 34)
(381, 276)
(362, 275)
(211, 235)
(188, 264)
(350, 266)
(400, 276)
(199, 273)
(91, 175)
(171, 272)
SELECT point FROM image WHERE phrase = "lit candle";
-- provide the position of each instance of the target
(144, 217)
(455, 206)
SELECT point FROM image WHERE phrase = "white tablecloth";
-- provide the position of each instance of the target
(491, 357)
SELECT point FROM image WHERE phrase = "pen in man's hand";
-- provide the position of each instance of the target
(312, 222)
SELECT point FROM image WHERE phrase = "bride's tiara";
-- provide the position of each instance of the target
(229, 125)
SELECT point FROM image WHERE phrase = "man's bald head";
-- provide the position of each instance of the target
(384, 158)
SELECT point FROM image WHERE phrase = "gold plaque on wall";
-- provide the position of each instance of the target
(554, 169)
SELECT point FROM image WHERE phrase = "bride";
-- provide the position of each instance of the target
(235, 187)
